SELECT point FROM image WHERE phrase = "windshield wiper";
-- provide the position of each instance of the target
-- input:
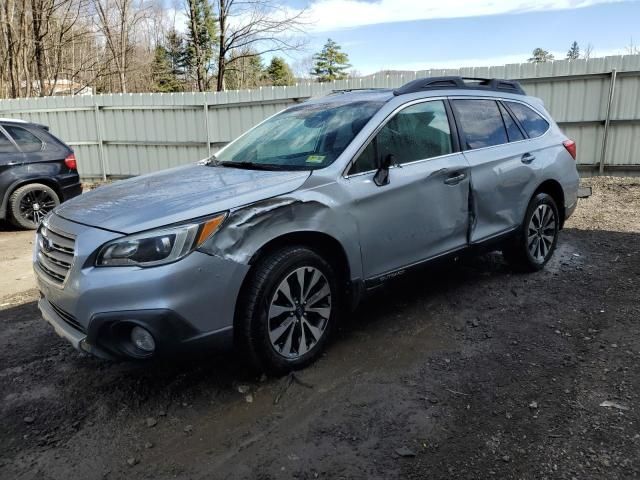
(252, 165)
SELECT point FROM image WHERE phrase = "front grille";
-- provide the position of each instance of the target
(54, 254)
(68, 318)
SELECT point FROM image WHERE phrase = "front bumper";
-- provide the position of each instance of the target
(108, 334)
(184, 304)
(77, 338)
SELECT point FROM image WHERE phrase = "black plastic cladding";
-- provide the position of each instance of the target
(435, 83)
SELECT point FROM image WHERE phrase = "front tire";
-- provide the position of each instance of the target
(288, 310)
(533, 246)
(30, 203)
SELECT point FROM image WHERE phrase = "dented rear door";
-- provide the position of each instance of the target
(501, 172)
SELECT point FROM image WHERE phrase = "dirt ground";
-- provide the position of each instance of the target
(466, 371)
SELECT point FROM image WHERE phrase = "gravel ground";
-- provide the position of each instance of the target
(465, 370)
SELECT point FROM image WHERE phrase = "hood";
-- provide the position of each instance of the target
(175, 195)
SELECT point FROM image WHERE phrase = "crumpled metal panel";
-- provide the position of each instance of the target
(175, 195)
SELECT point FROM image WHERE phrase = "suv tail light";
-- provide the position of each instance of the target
(70, 162)
(570, 145)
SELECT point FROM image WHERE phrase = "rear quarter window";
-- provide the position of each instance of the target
(530, 120)
(6, 145)
(26, 140)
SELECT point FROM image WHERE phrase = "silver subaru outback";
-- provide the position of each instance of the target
(266, 244)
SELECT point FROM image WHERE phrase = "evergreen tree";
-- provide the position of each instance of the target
(200, 42)
(164, 79)
(541, 56)
(331, 63)
(176, 52)
(574, 52)
(280, 73)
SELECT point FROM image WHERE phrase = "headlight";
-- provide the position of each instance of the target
(157, 247)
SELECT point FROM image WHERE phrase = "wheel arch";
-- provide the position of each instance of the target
(49, 182)
(554, 189)
(324, 244)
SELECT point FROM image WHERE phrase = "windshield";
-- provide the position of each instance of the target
(305, 137)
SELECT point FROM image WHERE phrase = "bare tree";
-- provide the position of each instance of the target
(256, 27)
(303, 66)
(632, 48)
(588, 51)
(116, 20)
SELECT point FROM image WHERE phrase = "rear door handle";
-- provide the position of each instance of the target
(527, 158)
(455, 178)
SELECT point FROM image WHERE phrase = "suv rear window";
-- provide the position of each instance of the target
(6, 146)
(481, 123)
(532, 123)
(26, 140)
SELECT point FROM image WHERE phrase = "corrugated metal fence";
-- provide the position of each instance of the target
(596, 102)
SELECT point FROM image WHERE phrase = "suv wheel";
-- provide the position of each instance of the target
(536, 241)
(288, 310)
(30, 203)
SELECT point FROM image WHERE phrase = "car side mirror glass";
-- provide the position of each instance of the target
(382, 174)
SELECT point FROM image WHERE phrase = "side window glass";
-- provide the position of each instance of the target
(513, 131)
(532, 123)
(481, 123)
(26, 140)
(367, 160)
(418, 132)
(6, 146)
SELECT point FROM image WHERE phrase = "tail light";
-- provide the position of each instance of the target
(70, 162)
(570, 145)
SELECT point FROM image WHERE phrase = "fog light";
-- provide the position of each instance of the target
(142, 339)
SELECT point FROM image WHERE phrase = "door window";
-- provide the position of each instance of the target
(513, 131)
(532, 123)
(481, 123)
(418, 132)
(6, 146)
(26, 140)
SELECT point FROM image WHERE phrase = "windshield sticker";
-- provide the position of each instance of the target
(315, 158)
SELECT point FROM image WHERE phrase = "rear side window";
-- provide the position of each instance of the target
(26, 140)
(532, 123)
(481, 123)
(6, 146)
(513, 131)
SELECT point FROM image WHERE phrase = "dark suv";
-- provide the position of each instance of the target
(37, 172)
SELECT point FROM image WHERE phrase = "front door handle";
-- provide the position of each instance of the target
(527, 158)
(455, 179)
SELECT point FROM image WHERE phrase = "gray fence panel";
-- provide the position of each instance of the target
(130, 134)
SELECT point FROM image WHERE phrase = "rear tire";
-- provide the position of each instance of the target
(30, 203)
(535, 242)
(288, 310)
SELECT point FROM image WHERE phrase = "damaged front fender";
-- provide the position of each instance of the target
(246, 230)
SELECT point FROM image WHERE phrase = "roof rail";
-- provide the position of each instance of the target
(348, 90)
(435, 83)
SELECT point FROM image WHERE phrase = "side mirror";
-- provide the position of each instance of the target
(382, 175)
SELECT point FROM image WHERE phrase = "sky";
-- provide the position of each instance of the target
(421, 34)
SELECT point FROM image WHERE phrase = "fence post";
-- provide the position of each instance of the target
(206, 124)
(607, 120)
(96, 116)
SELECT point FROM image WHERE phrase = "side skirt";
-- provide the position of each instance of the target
(482, 246)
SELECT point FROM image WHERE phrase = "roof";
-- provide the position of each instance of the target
(13, 120)
(355, 95)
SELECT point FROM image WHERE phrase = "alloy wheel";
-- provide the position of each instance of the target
(299, 312)
(35, 205)
(541, 232)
